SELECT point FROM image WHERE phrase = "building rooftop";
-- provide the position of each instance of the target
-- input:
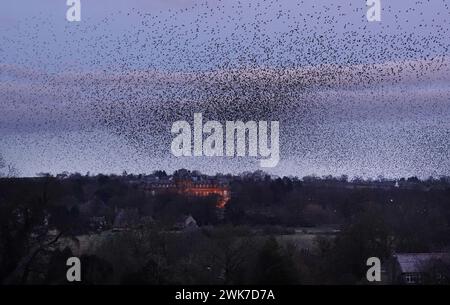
(417, 262)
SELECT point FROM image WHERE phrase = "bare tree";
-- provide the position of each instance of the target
(7, 169)
(2, 165)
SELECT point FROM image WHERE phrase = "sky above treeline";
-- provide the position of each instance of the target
(352, 97)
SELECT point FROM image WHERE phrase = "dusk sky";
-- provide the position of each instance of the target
(100, 95)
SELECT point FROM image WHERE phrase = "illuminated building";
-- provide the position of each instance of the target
(191, 188)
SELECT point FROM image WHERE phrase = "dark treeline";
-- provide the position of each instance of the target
(139, 237)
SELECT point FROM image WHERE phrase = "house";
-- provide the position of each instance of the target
(420, 268)
(186, 223)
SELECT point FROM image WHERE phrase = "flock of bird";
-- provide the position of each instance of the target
(307, 65)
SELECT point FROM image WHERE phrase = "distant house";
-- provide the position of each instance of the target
(420, 268)
(186, 223)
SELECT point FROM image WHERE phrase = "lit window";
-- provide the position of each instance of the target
(412, 278)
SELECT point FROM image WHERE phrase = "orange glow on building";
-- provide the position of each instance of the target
(195, 189)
